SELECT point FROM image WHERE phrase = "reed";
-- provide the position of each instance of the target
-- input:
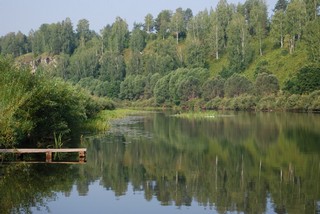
(57, 145)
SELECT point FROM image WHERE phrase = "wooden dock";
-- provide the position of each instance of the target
(81, 151)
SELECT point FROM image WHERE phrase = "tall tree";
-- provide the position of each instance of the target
(162, 23)
(312, 7)
(259, 19)
(106, 37)
(119, 35)
(177, 23)
(295, 21)
(281, 5)
(137, 40)
(83, 31)
(148, 23)
(195, 54)
(278, 27)
(216, 37)
(312, 38)
(223, 15)
(239, 51)
(85, 61)
(112, 67)
(67, 37)
(36, 42)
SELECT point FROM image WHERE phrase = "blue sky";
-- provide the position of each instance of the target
(25, 15)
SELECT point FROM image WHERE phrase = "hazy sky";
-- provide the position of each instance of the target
(25, 15)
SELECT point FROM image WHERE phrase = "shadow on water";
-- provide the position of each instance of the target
(247, 162)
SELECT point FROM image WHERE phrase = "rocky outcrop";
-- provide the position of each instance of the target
(42, 61)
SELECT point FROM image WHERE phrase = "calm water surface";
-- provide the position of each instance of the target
(156, 163)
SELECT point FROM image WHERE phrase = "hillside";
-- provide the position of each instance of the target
(180, 58)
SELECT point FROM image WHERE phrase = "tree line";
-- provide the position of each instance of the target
(168, 58)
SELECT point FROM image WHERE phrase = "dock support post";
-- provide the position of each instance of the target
(82, 156)
(49, 156)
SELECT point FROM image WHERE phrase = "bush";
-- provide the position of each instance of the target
(214, 104)
(237, 85)
(306, 81)
(36, 107)
(314, 98)
(267, 103)
(266, 84)
(16, 87)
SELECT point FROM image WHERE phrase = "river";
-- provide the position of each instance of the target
(235, 162)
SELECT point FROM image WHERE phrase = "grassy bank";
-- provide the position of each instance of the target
(101, 121)
(196, 115)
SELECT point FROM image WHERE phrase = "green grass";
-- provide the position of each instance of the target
(194, 115)
(101, 122)
(280, 62)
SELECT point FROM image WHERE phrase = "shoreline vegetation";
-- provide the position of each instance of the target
(35, 110)
(279, 103)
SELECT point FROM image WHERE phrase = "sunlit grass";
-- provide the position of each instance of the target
(101, 122)
(196, 115)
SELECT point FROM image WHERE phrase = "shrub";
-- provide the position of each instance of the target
(267, 103)
(36, 107)
(237, 85)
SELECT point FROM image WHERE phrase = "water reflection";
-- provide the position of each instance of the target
(244, 162)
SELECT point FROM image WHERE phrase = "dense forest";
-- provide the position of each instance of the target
(233, 56)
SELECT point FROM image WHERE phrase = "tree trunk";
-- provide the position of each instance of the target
(291, 50)
(243, 45)
(260, 41)
(217, 43)
(177, 37)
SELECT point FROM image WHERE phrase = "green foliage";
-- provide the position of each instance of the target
(213, 88)
(160, 56)
(306, 80)
(132, 87)
(162, 23)
(137, 40)
(161, 90)
(185, 84)
(237, 85)
(16, 88)
(84, 62)
(15, 44)
(35, 107)
(112, 67)
(266, 84)
(119, 36)
(84, 34)
(312, 37)
(239, 50)
(195, 54)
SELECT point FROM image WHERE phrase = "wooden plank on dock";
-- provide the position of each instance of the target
(82, 152)
(21, 151)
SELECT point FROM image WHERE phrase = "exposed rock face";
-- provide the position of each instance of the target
(42, 61)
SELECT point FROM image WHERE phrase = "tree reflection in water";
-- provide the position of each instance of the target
(237, 163)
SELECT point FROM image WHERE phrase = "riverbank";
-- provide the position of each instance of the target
(279, 102)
